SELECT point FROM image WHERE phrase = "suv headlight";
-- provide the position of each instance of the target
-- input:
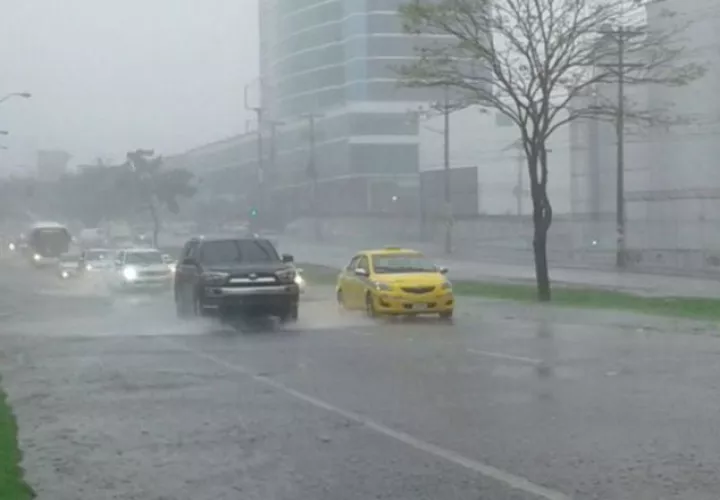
(286, 275)
(383, 287)
(130, 273)
(214, 278)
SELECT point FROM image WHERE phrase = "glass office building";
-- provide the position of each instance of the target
(337, 60)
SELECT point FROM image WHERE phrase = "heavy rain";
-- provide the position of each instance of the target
(331, 249)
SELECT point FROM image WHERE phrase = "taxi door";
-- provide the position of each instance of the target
(360, 279)
(349, 283)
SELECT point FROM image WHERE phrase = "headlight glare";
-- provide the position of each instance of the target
(130, 273)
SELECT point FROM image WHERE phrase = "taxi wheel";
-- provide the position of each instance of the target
(370, 306)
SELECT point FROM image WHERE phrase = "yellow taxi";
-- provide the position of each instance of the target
(395, 281)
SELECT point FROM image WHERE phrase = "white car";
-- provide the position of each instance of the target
(97, 259)
(140, 269)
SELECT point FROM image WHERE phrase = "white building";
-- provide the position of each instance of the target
(489, 141)
(672, 179)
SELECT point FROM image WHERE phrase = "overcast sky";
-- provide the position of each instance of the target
(108, 76)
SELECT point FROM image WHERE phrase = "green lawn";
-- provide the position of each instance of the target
(12, 485)
(681, 307)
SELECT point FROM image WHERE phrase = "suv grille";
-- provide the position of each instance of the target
(418, 289)
(253, 279)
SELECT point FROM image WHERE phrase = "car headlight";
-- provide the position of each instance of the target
(65, 274)
(172, 267)
(11, 246)
(286, 275)
(37, 257)
(130, 273)
(383, 287)
(299, 280)
(214, 278)
(88, 267)
(446, 286)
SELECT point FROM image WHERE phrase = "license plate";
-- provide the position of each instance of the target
(419, 307)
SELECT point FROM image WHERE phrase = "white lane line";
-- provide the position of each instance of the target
(509, 357)
(507, 478)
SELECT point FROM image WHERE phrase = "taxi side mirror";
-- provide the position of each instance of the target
(443, 270)
(361, 272)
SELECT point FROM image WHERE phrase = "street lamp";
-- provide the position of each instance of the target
(24, 95)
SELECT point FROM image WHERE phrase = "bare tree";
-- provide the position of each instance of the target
(531, 59)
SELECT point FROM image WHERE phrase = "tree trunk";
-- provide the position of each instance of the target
(542, 276)
(542, 219)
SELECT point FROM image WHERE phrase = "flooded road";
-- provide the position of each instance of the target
(509, 402)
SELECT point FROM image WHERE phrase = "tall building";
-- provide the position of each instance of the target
(337, 61)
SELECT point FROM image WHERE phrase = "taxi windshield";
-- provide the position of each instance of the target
(402, 263)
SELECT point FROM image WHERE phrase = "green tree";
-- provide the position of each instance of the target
(532, 59)
(151, 188)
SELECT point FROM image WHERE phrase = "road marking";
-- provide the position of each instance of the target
(507, 478)
(509, 357)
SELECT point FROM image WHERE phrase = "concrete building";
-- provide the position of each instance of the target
(672, 183)
(489, 142)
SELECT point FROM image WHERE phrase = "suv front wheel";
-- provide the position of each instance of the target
(290, 315)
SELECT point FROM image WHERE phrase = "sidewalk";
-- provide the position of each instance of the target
(635, 283)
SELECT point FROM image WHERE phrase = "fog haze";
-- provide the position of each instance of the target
(112, 75)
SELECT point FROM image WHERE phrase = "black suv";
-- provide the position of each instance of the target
(229, 276)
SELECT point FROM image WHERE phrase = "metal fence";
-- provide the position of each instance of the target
(572, 242)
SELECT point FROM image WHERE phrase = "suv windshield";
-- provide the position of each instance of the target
(223, 252)
(143, 258)
(407, 263)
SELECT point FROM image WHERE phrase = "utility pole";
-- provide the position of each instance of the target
(620, 36)
(313, 173)
(447, 174)
(260, 191)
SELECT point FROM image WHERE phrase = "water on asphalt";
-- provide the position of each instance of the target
(119, 399)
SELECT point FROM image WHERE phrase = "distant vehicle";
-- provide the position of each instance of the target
(69, 265)
(96, 259)
(46, 242)
(140, 269)
(229, 276)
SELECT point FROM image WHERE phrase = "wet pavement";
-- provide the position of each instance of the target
(509, 402)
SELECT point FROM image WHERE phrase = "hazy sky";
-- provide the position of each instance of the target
(108, 76)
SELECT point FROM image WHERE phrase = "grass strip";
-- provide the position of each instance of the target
(12, 484)
(588, 298)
